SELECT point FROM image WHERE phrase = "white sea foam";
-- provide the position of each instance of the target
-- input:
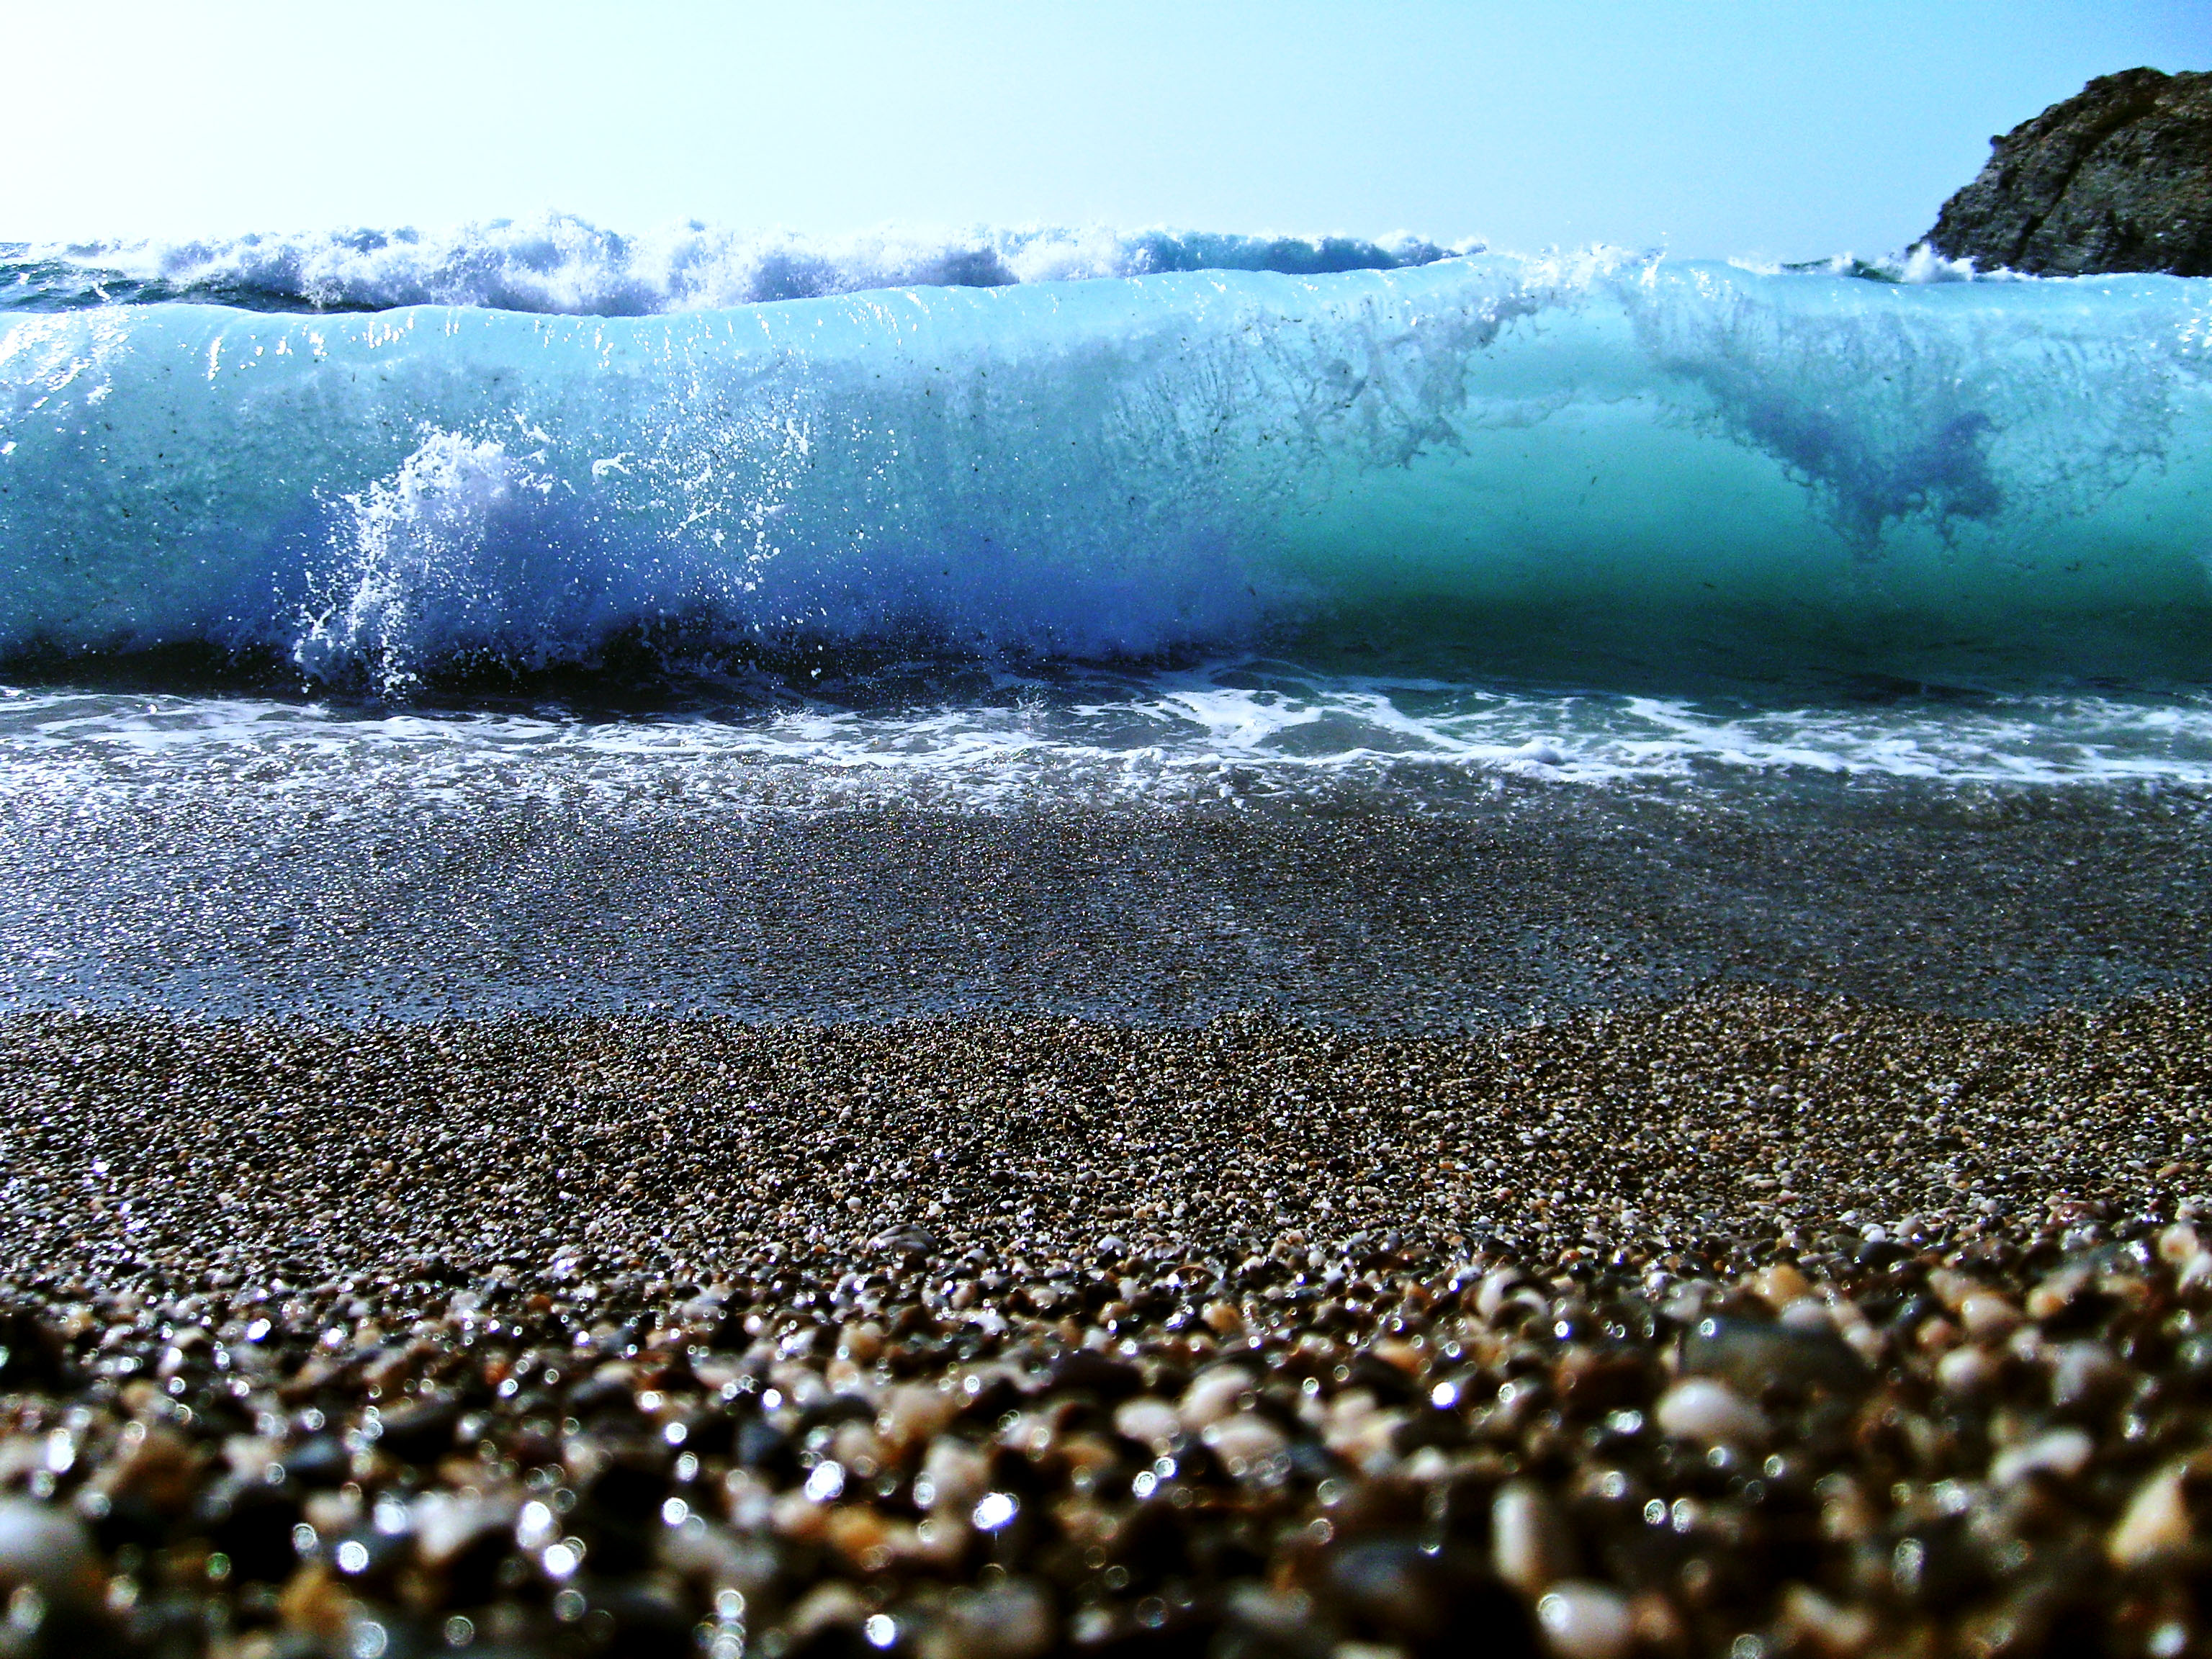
(1235, 732)
(561, 264)
(1919, 267)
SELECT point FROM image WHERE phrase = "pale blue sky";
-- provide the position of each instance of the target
(1771, 127)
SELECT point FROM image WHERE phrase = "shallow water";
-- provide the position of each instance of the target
(1248, 728)
(224, 855)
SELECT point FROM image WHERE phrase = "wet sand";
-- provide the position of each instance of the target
(1751, 1324)
(221, 895)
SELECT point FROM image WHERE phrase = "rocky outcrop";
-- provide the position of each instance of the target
(2117, 178)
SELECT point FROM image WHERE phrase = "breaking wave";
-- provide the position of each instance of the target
(564, 264)
(1481, 462)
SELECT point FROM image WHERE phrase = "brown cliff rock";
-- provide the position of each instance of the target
(2117, 178)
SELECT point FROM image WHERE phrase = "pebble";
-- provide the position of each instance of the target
(2056, 1293)
(1752, 1355)
(1806, 1314)
(1987, 1317)
(999, 1338)
(2081, 1371)
(1965, 1372)
(956, 1472)
(446, 1526)
(911, 1414)
(1837, 1632)
(1586, 1622)
(1243, 1439)
(1700, 1408)
(1781, 1286)
(1213, 1396)
(2157, 1520)
(1496, 1286)
(1154, 1422)
(1531, 1547)
(47, 1550)
(2064, 1452)
(907, 1240)
(1012, 1621)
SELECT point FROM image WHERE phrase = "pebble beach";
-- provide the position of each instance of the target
(1751, 1323)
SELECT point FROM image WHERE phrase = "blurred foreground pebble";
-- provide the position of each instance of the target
(1752, 1327)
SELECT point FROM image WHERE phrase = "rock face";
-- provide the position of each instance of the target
(2117, 178)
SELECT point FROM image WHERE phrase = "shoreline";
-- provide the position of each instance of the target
(214, 894)
(989, 1339)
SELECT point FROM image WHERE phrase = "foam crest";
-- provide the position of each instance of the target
(560, 264)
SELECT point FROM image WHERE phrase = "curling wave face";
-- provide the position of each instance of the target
(1478, 464)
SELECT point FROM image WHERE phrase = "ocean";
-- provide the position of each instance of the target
(536, 617)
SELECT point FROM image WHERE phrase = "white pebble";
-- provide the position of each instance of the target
(445, 1525)
(1965, 1371)
(1243, 1439)
(956, 1474)
(2062, 1451)
(1495, 1288)
(44, 1550)
(1586, 1622)
(1698, 1408)
(2080, 1370)
(1013, 1620)
(913, 1412)
(1988, 1316)
(1213, 1395)
(1806, 1314)
(2156, 1521)
(1150, 1421)
(1530, 1548)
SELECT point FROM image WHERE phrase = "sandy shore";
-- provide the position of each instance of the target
(1753, 1325)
